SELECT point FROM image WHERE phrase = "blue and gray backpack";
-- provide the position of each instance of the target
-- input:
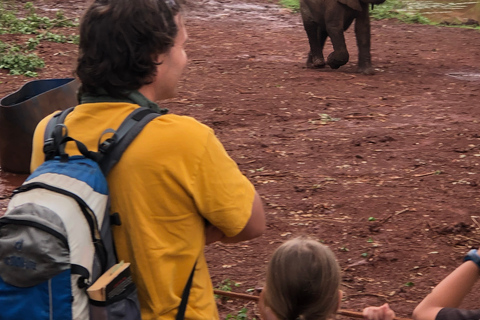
(55, 237)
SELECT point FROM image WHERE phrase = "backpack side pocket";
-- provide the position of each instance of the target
(35, 274)
(123, 307)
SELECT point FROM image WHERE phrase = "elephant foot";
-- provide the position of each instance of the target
(368, 71)
(315, 62)
(335, 61)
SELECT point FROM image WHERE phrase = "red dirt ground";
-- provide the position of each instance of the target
(331, 150)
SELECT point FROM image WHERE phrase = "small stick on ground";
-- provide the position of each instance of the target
(402, 211)
(359, 117)
(467, 238)
(474, 219)
(425, 174)
(396, 213)
(368, 294)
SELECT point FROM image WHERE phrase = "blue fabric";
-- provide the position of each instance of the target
(33, 303)
(77, 167)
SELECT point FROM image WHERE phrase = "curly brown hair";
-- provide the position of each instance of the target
(119, 43)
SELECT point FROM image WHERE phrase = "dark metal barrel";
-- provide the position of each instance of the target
(21, 111)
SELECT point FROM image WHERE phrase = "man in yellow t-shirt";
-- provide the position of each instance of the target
(175, 187)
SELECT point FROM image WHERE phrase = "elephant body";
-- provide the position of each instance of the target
(330, 18)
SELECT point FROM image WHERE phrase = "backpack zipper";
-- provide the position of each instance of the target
(28, 223)
(87, 212)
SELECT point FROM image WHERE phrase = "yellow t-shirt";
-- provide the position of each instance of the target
(173, 177)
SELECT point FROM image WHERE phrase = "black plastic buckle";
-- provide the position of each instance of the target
(49, 147)
(115, 219)
(82, 282)
(105, 145)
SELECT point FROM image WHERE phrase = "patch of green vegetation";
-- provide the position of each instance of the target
(242, 315)
(293, 5)
(32, 23)
(226, 285)
(60, 38)
(18, 58)
(18, 61)
(391, 9)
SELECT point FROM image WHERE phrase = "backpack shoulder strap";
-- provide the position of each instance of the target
(186, 292)
(110, 150)
(57, 118)
(113, 148)
(53, 135)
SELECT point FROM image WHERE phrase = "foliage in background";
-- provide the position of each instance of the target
(391, 9)
(293, 5)
(18, 62)
(19, 58)
(227, 284)
(242, 315)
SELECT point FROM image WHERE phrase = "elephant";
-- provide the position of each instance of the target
(330, 18)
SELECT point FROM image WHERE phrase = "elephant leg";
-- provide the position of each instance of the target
(316, 38)
(336, 24)
(362, 33)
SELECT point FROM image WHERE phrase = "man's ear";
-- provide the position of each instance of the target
(159, 59)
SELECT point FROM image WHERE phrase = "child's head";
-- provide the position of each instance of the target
(303, 281)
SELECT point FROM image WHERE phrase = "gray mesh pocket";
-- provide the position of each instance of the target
(123, 307)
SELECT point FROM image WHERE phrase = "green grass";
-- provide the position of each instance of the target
(18, 62)
(390, 10)
(294, 5)
(241, 315)
(18, 58)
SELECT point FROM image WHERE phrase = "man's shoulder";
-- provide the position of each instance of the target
(185, 124)
(185, 120)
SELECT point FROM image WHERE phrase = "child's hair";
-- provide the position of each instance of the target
(303, 281)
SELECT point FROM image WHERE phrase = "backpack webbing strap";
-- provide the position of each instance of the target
(110, 151)
(185, 294)
(53, 135)
(83, 273)
(57, 118)
(56, 137)
(125, 134)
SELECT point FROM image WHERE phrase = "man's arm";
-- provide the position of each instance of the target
(254, 227)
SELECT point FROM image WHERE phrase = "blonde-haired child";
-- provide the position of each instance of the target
(303, 283)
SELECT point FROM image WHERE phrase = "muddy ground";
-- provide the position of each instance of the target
(384, 169)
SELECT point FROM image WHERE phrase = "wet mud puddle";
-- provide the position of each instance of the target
(232, 10)
(452, 11)
(469, 76)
